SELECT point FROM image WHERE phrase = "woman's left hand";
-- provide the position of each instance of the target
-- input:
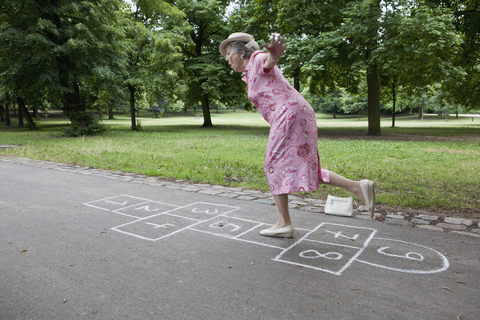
(275, 50)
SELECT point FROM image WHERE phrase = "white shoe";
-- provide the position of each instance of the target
(285, 232)
(368, 191)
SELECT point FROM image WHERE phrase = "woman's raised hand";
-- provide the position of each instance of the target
(275, 50)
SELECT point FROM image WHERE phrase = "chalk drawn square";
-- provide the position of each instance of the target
(202, 211)
(156, 227)
(226, 226)
(146, 209)
(116, 203)
(351, 236)
(325, 257)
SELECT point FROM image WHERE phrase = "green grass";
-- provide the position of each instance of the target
(430, 164)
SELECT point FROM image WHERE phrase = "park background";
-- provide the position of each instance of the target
(140, 86)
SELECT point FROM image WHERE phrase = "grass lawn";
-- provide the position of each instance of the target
(431, 164)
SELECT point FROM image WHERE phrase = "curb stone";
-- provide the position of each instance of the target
(422, 221)
(454, 227)
(465, 222)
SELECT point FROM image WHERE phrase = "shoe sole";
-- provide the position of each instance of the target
(279, 235)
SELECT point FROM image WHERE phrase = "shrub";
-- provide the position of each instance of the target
(83, 124)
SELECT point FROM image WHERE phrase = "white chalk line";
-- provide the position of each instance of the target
(445, 266)
(251, 229)
(308, 266)
(172, 210)
(178, 216)
(123, 195)
(239, 239)
(365, 244)
(234, 238)
(333, 244)
(277, 258)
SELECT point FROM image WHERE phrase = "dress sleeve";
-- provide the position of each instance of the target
(258, 63)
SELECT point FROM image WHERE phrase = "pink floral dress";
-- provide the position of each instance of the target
(291, 162)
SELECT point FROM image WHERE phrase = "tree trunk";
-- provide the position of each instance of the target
(373, 85)
(23, 109)
(35, 112)
(394, 100)
(420, 112)
(296, 78)
(7, 115)
(110, 113)
(132, 106)
(2, 110)
(20, 117)
(207, 119)
(335, 110)
(373, 101)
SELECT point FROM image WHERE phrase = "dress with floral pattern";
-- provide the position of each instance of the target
(291, 162)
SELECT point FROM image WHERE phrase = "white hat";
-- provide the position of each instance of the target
(238, 36)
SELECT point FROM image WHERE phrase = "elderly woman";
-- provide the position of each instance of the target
(292, 163)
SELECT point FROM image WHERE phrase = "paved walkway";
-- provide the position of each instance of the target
(83, 243)
(421, 220)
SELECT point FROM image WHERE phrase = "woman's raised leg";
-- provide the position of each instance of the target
(364, 189)
(344, 183)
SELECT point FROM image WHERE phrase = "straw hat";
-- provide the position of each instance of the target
(238, 36)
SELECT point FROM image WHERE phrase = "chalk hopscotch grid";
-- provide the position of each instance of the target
(169, 213)
(238, 237)
(257, 224)
(143, 205)
(90, 204)
(360, 249)
(445, 262)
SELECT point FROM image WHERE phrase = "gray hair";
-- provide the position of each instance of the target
(239, 48)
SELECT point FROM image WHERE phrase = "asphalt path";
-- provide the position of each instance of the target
(75, 246)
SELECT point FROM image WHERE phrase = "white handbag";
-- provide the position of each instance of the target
(339, 206)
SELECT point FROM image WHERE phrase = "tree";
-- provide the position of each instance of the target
(364, 46)
(52, 49)
(299, 21)
(418, 49)
(153, 35)
(465, 90)
(208, 76)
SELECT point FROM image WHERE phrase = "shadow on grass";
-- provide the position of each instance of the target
(470, 132)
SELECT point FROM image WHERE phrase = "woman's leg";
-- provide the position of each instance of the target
(281, 201)
(364, 189)
(336, 180)
(344, 183)
(284, 227)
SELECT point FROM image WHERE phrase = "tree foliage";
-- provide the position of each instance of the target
(54, 48)
(466, 20)
(208, 76)
(153, 34)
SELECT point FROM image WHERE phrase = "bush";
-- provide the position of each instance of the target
(83, 124)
